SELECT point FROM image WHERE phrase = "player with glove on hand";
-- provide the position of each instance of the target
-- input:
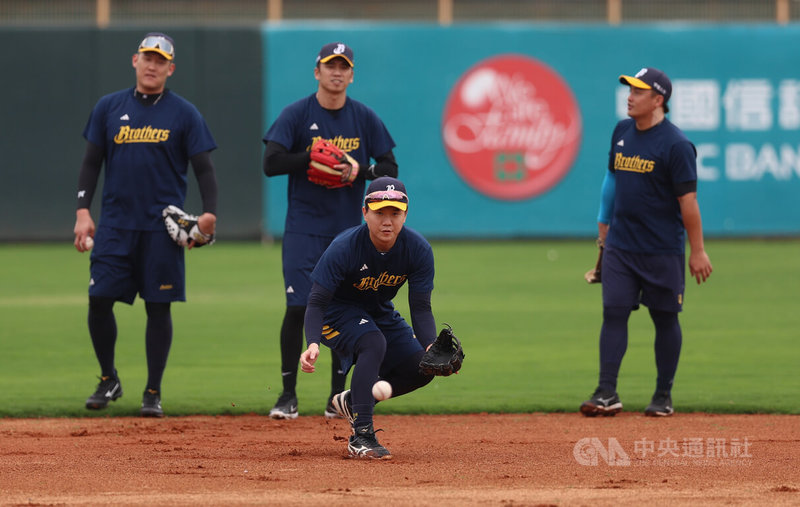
(147, 135)
(324, 143)
(350, 310)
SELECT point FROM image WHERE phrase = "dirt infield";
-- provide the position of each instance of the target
(479, 459)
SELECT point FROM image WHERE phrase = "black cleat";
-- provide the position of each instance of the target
(660, 405)
(363, 444)
(151, 404)
(603, 403)
(343, 406)
(109, 389)
(285, 407)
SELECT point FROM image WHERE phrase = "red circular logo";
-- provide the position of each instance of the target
(511, 127)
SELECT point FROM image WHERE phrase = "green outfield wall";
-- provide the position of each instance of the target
(53, 77)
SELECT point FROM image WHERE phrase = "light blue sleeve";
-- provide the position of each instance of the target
(607, 191)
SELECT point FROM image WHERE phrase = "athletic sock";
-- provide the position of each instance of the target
(158, 340)
(613, 344)
(291, 346)
(103, 332)
(667, 347)
(338, 378)
(369, 349)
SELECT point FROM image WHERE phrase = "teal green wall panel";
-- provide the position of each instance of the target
(736, 95)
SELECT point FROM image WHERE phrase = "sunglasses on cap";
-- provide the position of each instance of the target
(384, 198)
(159, 44)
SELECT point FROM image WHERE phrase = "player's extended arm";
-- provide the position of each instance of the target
(278, 160)
(607, 194)
(87, 183)
(699, 263)
(207, 183)
(318, 300)
(419, 305)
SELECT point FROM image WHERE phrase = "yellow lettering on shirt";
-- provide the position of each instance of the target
(146, 134)
(346, 144)
(384, 279)
(634, 164)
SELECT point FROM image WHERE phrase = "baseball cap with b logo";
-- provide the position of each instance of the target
(650, 79)
(386, 191)
(334, 50)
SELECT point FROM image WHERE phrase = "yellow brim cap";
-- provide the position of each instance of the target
(376, 205)
(635, 82)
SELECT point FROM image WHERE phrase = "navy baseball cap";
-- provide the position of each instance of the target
(334, 50)
(650, 79)
(386, 191)
(159, 43)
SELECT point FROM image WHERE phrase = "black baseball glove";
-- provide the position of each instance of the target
(445, 355)
(182, 227)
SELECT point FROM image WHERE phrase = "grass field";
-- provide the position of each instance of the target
(528, 321)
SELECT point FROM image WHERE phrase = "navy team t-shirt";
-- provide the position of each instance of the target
(357, 274)
(357, 130)
(147, 150)
(648, 165)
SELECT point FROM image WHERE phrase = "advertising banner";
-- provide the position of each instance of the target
(503, 130)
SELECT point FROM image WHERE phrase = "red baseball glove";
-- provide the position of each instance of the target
(330, 166)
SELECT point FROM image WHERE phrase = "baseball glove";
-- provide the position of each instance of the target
(322, 171)
(445, 355)
(182, 227)
(593, 275)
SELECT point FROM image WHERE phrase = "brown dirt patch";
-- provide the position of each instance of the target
(509, 459)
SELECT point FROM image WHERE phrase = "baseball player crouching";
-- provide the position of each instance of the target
(350, 309)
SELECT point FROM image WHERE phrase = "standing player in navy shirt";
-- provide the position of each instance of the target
(147, 135)
(350, 309)
(317, 213)
(648, 208)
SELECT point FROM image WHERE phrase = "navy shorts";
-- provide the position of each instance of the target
(300, 254)
(345, 324)
(656, 281)
(124, 263)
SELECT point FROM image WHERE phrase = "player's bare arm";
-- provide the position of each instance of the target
(602, 232)
(84, 228)
(309, 357)
(699, 263)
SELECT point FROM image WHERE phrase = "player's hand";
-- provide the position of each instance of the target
(207, 223)
(84, 227)
(700, 266)
(309, 357)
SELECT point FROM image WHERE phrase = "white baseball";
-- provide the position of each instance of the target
(88, 243)
(382, 390)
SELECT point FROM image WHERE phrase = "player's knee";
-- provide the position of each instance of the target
(100, 305)
(373, 343)
(616, 312)
(158, 311)
(663, 319)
